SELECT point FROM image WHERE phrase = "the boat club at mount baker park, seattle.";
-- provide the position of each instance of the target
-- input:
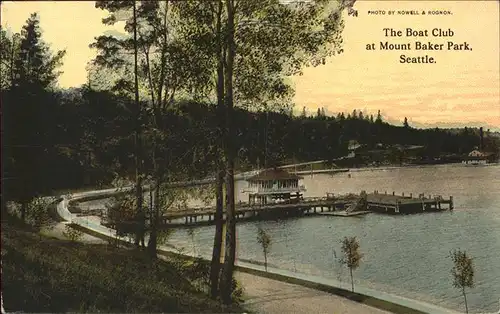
(274, 186)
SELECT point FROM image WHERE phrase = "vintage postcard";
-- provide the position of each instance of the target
(250, 156)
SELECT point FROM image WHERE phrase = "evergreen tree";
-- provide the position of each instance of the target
(304, 112)
(379, 117)
(30, 116)
(405, 123)
(35, 66)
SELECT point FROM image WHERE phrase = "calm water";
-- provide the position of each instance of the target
(403, 255)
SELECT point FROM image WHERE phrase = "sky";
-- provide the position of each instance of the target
(461, 88)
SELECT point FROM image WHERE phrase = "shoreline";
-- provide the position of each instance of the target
(333, 171)
(318, 283)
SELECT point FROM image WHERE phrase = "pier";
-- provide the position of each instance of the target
(245, 211)
(345, 206)
(405, 204)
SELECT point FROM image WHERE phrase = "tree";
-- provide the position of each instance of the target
(463, 272)
(30, 99)
(318, 114)
(323, 114)
(39, 213)
(265, 242)
(217, 249)
(111, 57)
(379, 117)
(405, 123)
(286, 37)
(10, 48)
(168, 65)
(304, 112)
(35, 66)
(351, 255)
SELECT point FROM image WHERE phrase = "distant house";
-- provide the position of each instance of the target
(476, 157)
(273, 186)
(352, 146)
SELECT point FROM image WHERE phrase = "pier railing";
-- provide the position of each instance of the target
(300, 188)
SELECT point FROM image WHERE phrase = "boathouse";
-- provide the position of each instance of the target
(476, 157)
(274, 186)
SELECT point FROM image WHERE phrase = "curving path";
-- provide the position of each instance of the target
(266, 295)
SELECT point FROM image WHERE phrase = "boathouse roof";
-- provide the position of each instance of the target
(274, 174)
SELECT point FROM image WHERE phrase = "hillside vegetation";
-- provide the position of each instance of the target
(42, 274)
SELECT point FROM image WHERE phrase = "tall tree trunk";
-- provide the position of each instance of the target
(230, 253)
(465, 298)
(154, 217)
(1, 294)
(265, 260)
(12, 62)
(137, 139)
(24, 210)
(4, 205)
(216, 253)
(217, 249)
(352, 280)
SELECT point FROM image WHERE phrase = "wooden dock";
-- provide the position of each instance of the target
(262, 212)
(345, 206)
(402, 204)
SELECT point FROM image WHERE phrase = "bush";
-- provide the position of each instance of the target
(72, 233)
(236, 291)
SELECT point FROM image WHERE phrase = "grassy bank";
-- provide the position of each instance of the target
(42, 274)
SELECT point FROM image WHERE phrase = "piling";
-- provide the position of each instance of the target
(451, 202)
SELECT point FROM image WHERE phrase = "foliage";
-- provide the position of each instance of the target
(35, 66)
(265, 242)
(53, 277)
(164, 235)
(351, 255)
(121, 214)
(39, 213)
(462, 272)
(72, 233)
(237, 291)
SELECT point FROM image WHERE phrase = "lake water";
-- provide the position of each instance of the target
(406, 255)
